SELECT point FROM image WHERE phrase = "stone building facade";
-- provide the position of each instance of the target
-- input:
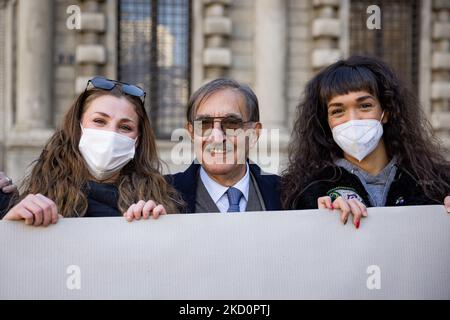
(275, 46)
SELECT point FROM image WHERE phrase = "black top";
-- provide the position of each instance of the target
(5, 198)
(186, 184)
(404, 191)
(102, 200)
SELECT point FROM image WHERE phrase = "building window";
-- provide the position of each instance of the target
(397, 42)
(154, 52)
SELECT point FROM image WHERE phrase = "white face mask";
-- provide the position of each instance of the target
(105, 152)
(358, 138)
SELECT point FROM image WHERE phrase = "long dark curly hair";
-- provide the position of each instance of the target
(407, 133)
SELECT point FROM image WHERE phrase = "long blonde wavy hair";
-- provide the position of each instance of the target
(60, 173)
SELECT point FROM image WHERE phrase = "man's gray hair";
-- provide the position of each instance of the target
(251, 101)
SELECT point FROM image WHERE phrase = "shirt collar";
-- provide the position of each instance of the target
(216, 190)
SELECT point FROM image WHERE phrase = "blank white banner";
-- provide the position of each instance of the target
(398, 253)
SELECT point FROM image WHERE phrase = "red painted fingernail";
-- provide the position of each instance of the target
(357, 224)
(332, 207)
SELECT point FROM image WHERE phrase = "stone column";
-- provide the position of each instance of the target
(217, 29)
(90, 53)
(34, 64)
(270, 61)
(270, 53)
(326, 30)
(33, 87)
(3, 81)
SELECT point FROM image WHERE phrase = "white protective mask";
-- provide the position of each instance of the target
(358, 138)
(105, 152)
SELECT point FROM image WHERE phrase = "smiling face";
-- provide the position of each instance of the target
(354, 106)
(222, 154)
(111, 113)
(359, 105)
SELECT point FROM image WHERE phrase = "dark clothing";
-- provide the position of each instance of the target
(404, 190)
(377, 186)
(186, 184)
(5, 198)
(102, 200)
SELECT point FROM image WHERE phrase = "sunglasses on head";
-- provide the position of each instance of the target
(230, 125)
(108, 84)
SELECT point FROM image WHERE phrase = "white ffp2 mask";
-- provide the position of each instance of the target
(105, 152)
(358, 138)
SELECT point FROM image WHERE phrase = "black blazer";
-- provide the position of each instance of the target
(186, 184)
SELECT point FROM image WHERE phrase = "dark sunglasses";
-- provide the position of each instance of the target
(108, 84)
(229, 125)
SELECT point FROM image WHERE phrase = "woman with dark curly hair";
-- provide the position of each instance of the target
(361, 140)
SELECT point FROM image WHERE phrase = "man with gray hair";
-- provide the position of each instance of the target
(223, 123)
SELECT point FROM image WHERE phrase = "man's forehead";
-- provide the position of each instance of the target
(222, 103)
(224, 115)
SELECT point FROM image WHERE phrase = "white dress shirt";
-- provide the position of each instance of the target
(218, 192)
